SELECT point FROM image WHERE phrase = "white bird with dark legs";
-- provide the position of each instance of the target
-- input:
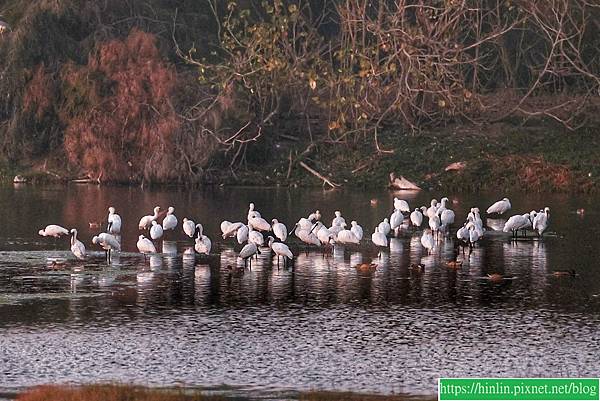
(434, 224)
(473, 234)
(203, 244)
(53, 230)
(280, 250)
(427, 241)
(242, 234)
(500, 207)
(338, 220)
(77, 246)
(356, 230)
(307, 236)
(255, 237)
(280, 230)
(146, 221)
(323, 233)
(189, 227)
(108, 242)
(517, 222)
(114, 221)
(145, 246)
(156, 231)
(385, 227)
(170, 221)
(540, 222)
(402, 205)
(334, 230)
(247, 252)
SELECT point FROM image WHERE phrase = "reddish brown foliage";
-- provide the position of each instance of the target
(39, 93)
(125, 125)
(109, 393)
(536, 174)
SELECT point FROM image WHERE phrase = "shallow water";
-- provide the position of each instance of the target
(176, 319)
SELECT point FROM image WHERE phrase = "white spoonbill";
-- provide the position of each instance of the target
(242, 234)
(473, 234)
(231, 229)
(384, 227)
(463, 233)
(255, 237)
(251, 212)
(323, 233)
(259, 224)
(334, 230)
(304, 223)
(447, 218)
(347, 237)
(427, 240)
(396, 220)
(516, 223)
(203, 244)
(432, 210)
(540, 222)
(280, 250)
(53, 230)
(434, 223)
(170, 221)
(146, 221)
(225, 226)
(156, 231)
(356, 230)
(280, 230)
(499, 207)
(108, 242)
(307, 236)
(338, 220)
(145, 246)
(77, 246)
(379, 239)
(114, 221)
(416, 217)
(402, 205)
(247, 252)
(189, 227)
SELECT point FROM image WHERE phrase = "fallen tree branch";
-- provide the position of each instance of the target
(318, 175)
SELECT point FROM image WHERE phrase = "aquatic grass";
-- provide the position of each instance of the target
(112, 392)
(121, 392)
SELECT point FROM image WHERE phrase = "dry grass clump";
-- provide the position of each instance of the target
(111, 392)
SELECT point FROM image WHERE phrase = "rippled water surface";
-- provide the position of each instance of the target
(208, 322)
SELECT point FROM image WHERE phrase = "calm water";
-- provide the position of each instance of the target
(175, 319)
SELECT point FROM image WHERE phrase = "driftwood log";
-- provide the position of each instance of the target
(401, 183)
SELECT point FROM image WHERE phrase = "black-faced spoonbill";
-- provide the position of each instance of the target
(146, 221)
(114, 221)
(77, 246)
(499, 207)
(170, 220)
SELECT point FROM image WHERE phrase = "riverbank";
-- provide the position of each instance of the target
(117, 392)
(537, 158)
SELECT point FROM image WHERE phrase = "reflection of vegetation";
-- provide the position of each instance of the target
(133, 393)
(166, 90)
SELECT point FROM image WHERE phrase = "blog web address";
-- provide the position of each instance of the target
(489, 389)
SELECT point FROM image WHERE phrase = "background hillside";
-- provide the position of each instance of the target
(221, 91)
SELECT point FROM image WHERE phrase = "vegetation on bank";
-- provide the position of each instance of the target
(243, 92)
(135, 393)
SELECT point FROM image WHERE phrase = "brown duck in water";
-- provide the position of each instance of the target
(366, 266)
(564, 273)
(417, 268)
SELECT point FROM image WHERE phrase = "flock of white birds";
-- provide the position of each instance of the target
(310, 230)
